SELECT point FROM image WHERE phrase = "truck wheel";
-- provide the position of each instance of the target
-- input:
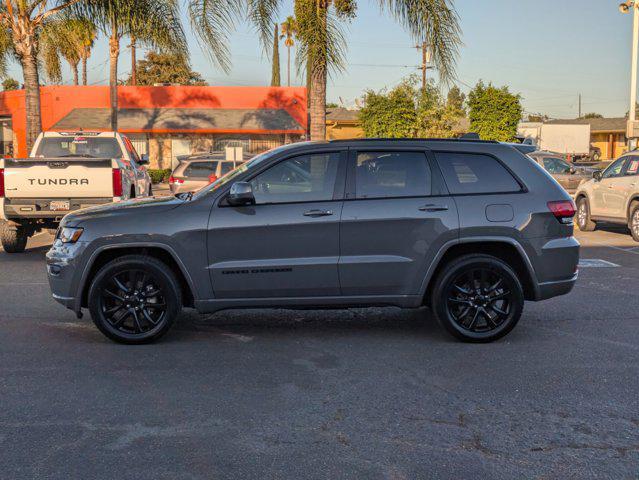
(584, 222)
(478, 298)
(134, 299)
(14, 238)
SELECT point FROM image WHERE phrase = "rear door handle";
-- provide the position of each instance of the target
(433, 208)
(318, 213)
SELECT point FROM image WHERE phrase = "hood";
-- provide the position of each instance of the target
(139, 206)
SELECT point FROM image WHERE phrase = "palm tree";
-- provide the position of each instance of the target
(87, 36)
(322, 43)
(289, 31)
(155, 22)
(67, 37)
(275, 68)
(22, 24)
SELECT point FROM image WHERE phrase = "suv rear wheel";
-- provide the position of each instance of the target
(14, 238)
(478, 298)
(584, 222)
(134, 299)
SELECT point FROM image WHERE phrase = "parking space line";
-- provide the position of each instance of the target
(631, 250)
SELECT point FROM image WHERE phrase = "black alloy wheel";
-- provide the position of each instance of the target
(479, 299)
(134, 299)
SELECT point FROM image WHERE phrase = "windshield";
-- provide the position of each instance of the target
(237, 171)
(79, 146)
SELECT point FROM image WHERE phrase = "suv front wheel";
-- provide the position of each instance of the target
(478, 298)
(134, 299)
(633, 221)
(584, 222)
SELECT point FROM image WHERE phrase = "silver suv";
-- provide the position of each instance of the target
(470, 229)
(611, 196)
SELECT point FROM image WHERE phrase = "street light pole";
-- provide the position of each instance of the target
(631, 131)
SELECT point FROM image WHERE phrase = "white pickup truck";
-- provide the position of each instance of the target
(66, 171)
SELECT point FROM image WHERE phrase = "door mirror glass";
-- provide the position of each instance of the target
(241, 194)
(144, 159)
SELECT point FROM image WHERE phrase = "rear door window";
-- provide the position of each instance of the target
(392, 175)
(200, 169)
(472, 173)
(633, 166)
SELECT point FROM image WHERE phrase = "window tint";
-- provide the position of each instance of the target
(306, 178)
(556, 165)
(200, 169)
(392, 174)
(226, 168)
(96, 147)
(633, 166)
(475, 173)
(615, 169)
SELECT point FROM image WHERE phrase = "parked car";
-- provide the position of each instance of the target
(65, 172)
(611, 196)
(568, 176)
(194, 173)
(465, 227)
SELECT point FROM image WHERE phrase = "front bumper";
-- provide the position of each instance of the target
(63, 271)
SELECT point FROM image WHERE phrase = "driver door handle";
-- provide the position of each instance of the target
(318, 213)
(433, 208)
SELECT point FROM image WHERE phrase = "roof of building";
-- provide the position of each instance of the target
(617, 124)
(181, 120)
(341, 114)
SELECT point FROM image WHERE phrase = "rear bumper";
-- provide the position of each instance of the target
(555, 265)
(36, 208)
(554, 289)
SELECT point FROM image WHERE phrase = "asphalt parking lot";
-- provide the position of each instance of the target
(376, 393)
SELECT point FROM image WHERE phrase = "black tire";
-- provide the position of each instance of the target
(150, 190)
(478, 298)
(14, 238)
(633, 221)
(129, 282)
(584, 222)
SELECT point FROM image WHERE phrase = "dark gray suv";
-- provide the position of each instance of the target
(470, 229)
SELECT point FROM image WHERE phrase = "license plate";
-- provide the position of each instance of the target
(59, 206)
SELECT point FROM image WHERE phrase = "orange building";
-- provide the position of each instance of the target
(166, 121)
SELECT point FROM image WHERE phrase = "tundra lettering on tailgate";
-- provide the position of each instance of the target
(59, 181)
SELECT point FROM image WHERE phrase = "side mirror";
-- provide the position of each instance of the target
(597, 175)
(144, 159)
(241, 194)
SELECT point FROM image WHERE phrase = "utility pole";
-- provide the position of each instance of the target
(632, 132)
(579, 106)
(426, 56)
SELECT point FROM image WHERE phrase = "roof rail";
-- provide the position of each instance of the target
(468, 140)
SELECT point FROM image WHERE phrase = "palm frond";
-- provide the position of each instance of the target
(434, 21)
(262, 14)
(212, 21)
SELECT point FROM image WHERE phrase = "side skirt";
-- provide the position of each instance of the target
(402, 301)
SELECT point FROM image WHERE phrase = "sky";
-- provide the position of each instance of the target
(548, 51)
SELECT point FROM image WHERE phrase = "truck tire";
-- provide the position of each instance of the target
(14, 238)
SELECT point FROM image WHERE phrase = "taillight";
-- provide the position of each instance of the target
(1, 182)
(563, 210)
(173, 180)
(212, 178)
(117, 182)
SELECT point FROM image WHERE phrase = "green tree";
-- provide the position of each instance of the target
(165, 68)
(408, 111)
(289, 31)
(494, 112)
(275, 72)
(456, 99)
(155, 23)
(322, 42)
(10, 84)
(22, 25)
(593, 115)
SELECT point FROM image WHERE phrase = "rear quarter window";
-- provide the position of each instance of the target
(468, 173)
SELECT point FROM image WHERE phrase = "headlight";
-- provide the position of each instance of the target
(69, 234)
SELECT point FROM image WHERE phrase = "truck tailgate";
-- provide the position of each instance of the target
(58, 178)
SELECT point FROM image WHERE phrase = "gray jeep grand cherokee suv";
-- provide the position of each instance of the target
(469, 228)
